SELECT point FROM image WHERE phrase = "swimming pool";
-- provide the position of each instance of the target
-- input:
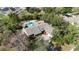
(29, 24)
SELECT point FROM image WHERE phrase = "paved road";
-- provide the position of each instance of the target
(74, 19)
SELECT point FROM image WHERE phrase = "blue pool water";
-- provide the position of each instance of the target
(29, 24)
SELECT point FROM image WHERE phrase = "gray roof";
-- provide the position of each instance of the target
(33, 30)
(38, 29)
(45, 26)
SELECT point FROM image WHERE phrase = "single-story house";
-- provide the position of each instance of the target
(36, 27)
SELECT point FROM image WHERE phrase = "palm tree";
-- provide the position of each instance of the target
(67, 35)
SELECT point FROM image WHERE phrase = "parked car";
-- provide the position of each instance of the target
(68, 15)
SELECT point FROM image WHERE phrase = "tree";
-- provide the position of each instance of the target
(37, 44)
(75, 9)
(8, 26)
(49, 9)
(33, 9)
(56, 20)
(10, 21)
(66, 10)
(66, 34)
(53, 19)
(58, 10)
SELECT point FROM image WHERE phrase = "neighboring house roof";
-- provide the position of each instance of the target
(7, 10)
(4, 10)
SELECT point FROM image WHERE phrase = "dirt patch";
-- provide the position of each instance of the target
(67, 47)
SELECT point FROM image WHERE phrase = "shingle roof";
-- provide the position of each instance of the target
(38, 29)
(33, 30)
(46, 27)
